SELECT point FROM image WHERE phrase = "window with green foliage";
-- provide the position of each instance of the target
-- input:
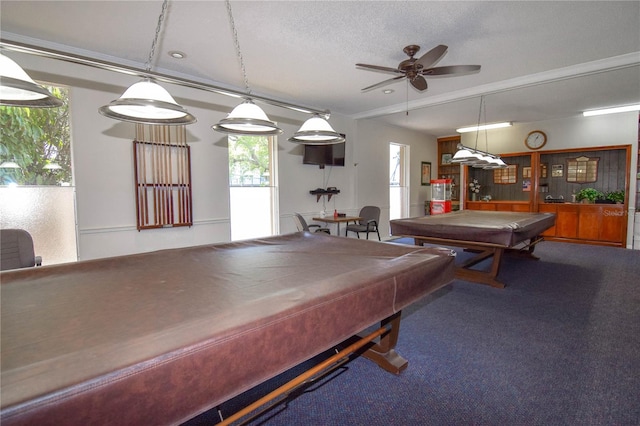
(38, 141)
(249, 161)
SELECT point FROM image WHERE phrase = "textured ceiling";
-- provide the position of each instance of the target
(540, 60)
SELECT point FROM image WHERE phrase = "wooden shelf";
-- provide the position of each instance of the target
(449, 145)
(323, 192)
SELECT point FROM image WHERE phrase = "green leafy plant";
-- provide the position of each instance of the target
(35, 138)
(590, 194)
(616, 196)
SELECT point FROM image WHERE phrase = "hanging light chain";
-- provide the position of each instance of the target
(486, 135)
(479, 117)
(237, 46)
(147, 65)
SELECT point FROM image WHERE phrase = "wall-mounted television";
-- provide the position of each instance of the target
(324, 155)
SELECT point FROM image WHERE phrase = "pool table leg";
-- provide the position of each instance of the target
(490, 277)
(383, 353)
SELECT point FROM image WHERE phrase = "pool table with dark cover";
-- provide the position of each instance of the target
(159, 337)
(490, 233)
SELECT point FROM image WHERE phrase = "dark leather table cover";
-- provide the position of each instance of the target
(157, 338)
(502, 228)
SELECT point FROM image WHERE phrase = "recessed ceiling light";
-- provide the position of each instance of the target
(177, 55)
(387, 91)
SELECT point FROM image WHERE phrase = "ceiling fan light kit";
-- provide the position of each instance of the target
(19, 90)
(415, 70)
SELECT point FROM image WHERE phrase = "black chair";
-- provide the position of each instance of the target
(16, 250)
(301, 224)
(369, 223)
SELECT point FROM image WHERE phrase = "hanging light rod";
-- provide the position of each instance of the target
(129, 70)
(484, 127)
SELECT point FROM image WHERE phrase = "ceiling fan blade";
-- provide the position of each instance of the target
(452, 69)
(432, 56)
(382, 83)
(379, 68)
(419, 83)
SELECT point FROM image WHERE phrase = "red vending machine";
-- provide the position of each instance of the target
(440, 196)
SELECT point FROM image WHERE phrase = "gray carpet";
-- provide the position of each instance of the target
(559, 346)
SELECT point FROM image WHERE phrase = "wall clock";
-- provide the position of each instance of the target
(535, 139)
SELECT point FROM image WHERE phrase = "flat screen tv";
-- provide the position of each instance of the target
(324, 155)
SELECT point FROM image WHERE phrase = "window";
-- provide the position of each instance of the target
(398, 181)
(253, 186)
(36, 181)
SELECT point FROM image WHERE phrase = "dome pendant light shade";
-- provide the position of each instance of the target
(147, 102)
(9, 165)
(495, 163)
(316, 131)
(463, 156)
(19, 90)
(247, 119)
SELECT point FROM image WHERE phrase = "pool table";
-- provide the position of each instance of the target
(488, 233)
(160, 337)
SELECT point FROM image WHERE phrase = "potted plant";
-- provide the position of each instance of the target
(616, 196)
(589, 195)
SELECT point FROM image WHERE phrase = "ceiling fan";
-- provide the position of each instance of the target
(415, 69)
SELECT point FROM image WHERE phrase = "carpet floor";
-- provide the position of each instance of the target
(560, 345)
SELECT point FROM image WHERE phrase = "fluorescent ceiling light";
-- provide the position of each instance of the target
(483, 127)
(612, 110)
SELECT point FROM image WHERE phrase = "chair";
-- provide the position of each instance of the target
(16, 250)
(369, 223)
(301, 224)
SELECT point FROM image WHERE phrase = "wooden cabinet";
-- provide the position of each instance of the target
(447, 148)
(500, 206)
(604, 224)
(549, 208)
(588, 223)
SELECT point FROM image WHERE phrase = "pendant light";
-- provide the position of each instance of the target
(147, 102)
(9, 165)
(472, 156)
(19, 90)
(316, 131)
(247, 118)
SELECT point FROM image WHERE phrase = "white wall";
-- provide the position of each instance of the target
(103, 161)
(103, 164)
(372, 170)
